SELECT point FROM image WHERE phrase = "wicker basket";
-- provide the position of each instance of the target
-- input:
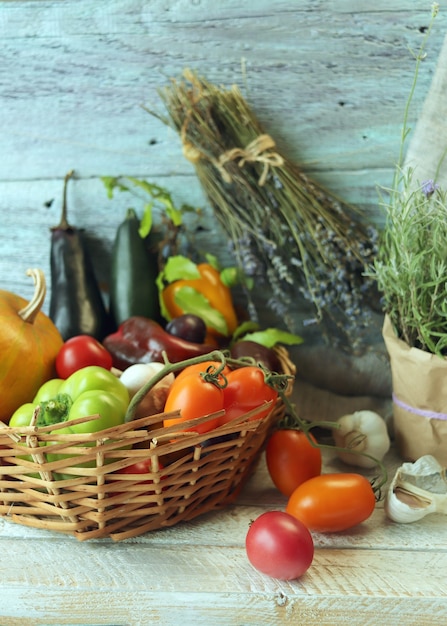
(191, 473)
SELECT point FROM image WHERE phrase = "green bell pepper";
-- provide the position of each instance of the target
(89, 391)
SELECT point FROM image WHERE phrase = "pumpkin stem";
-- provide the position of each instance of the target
(30, 311)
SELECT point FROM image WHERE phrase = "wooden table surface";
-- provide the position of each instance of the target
(197, 573)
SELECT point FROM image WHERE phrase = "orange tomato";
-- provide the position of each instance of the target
(332, 502)
(203, 367)
(193, 397)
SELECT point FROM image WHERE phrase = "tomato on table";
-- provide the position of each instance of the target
(292, 459)
(279, 545)
(79, 352)
(332, 502)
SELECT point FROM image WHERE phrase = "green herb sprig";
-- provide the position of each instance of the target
(411, 266)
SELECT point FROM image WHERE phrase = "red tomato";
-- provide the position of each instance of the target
(194, 397)
(247, 390)
(332, 502)
(81, 351)
(279, 545)
(291, 459)
(140, 467)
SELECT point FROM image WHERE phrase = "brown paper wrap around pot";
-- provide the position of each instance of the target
(419, 381)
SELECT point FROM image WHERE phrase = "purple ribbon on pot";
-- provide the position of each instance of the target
(421, 412)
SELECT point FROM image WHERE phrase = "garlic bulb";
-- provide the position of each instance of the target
(136, 376)
(417, 489)
(365, 433)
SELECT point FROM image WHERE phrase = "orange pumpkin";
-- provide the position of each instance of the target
(29, 343)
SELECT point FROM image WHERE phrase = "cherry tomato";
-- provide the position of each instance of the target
(291, 459)
(279, 545)
(247, 390)
(194, 397)
(81, 351)
(332, 502)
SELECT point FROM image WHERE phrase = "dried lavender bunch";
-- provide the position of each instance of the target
(286, 231)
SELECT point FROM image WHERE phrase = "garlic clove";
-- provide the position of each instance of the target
(404, 507)
(417, 489)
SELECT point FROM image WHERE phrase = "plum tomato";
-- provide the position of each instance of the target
(332, 502)
(291, 459)
(247, 390)
(189, 327)
(279, 545)
(193, 397)
(81, 351)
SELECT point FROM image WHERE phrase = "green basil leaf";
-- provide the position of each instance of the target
(232, 276)
(272, 336)
(244, 328)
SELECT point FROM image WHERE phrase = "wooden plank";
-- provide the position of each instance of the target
(257, 609)
(92, 68)
(119, 609)
(228, 528)
(127, 583)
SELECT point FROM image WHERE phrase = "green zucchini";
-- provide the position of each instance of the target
(134, 270)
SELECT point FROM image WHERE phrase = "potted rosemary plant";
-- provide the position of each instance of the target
(411, 270)
(411, 273)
